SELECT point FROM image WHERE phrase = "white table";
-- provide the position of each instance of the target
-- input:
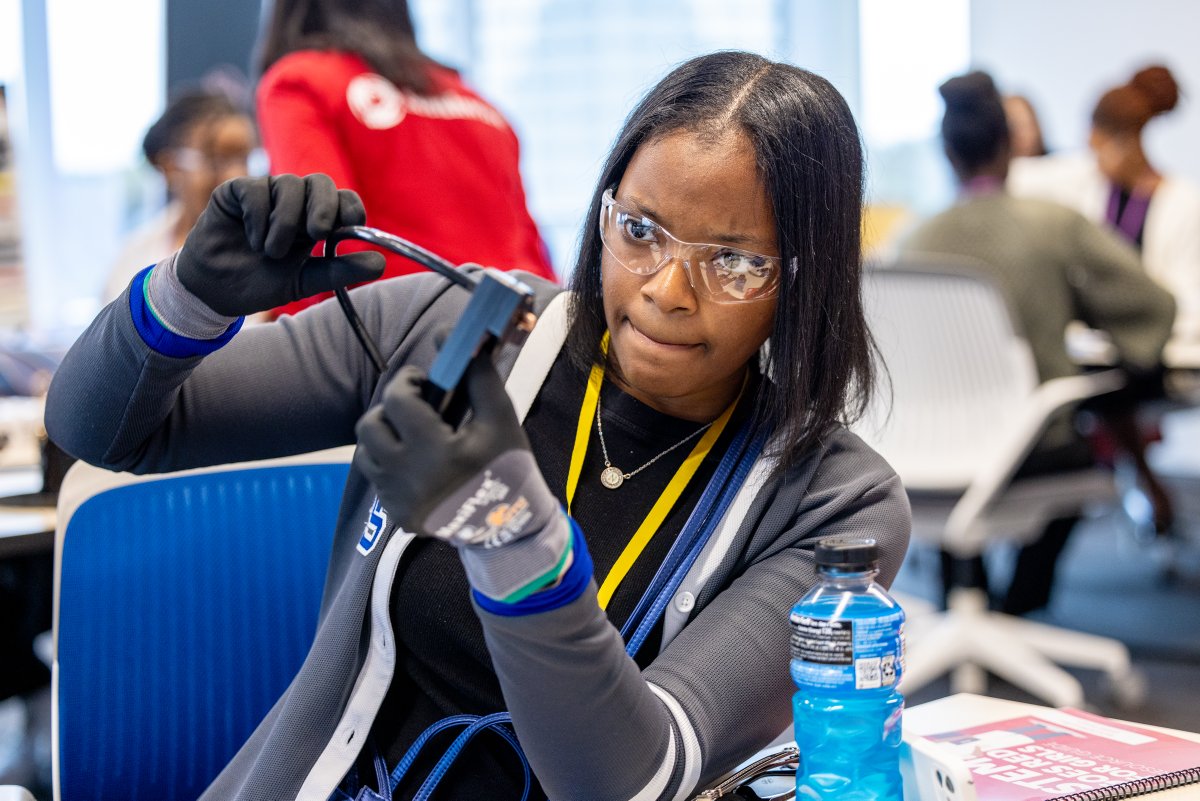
(1093, 348)
(1182, 355)
(24, 528)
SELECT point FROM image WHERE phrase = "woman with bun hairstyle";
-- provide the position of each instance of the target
(1117, 184)
(1116, 140)
(1054, 266)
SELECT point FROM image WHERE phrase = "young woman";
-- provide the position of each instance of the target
(689, 392)
(201, 140)
(1024, 128)
(1118, 185)
(345, 91)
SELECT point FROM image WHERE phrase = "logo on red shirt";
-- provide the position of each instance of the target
(378, 104)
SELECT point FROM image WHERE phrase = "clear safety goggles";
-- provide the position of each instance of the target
(720, 273)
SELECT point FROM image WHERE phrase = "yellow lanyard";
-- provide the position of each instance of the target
(662, 507)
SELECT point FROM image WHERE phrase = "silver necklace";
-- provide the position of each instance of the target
(613, 477)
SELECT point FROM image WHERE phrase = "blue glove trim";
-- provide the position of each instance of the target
(573, 583)
(160, 338)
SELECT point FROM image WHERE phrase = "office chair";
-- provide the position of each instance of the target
(959, 409)
(184, 605)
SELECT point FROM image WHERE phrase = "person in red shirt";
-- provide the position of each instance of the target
(345, 91)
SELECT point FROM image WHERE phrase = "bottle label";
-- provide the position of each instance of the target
(862, 654)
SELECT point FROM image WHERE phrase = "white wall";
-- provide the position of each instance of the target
(1064, 53)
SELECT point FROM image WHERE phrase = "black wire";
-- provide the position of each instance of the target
(360, 330)
(397, 245)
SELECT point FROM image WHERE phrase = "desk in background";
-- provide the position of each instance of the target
(26, 529)
(27, 521)
(1091, 348)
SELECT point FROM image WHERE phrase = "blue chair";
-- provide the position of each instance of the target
(184, 605)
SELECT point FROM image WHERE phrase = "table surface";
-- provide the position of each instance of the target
(965, 710)
(1182, 355)
(1090, 347)
(25, 528)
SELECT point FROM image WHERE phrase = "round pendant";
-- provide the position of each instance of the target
(611, 477)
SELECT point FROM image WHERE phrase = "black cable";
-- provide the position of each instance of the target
(402, 247)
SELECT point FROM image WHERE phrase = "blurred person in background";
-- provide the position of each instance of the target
(1054, 266)
(1024, 128)
(1116, 184)
(202, 139)
(346, 91)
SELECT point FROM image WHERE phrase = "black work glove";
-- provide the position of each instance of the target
(250, 249)
(477, 487)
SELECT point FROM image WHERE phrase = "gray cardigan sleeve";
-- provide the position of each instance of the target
(595, 727)
(293, 386)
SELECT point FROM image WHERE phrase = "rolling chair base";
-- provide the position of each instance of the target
(967, 640)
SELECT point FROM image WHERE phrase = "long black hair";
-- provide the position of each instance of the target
(380, 31)
(809, 158)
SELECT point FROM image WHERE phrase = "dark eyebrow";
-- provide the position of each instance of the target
(718, 238)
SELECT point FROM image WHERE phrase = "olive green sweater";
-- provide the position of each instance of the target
(1054, 266)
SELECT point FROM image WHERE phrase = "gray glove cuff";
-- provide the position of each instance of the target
(501, 571)
(179, 310)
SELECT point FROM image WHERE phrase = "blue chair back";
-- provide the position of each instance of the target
(185, 604)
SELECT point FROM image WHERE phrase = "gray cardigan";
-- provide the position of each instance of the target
(592, 724)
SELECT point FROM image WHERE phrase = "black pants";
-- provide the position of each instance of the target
(1037, 561)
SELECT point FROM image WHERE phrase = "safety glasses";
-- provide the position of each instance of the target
(719, 273)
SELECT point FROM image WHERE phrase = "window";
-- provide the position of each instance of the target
(566, 73)
(908, 49)
(106, 81)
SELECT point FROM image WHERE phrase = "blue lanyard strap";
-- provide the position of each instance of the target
(496, 722)
(697, 531)
(473, 724)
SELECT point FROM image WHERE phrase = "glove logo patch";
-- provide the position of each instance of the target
(376, 522)
(487, 517)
